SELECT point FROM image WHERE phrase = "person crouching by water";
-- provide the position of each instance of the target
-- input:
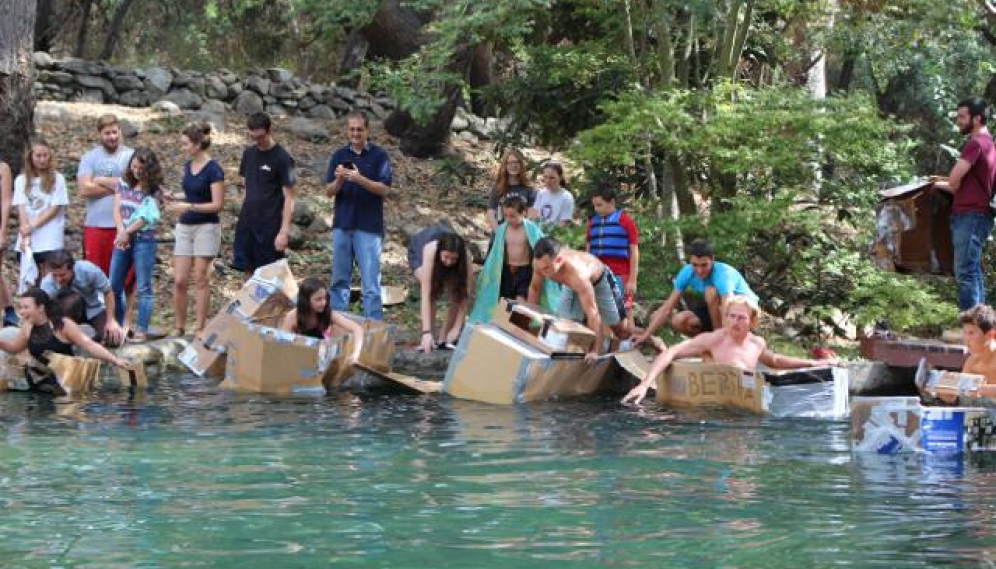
(441, 262)
(734, 345)
(44, 329)
(591, 292)
(314, 317)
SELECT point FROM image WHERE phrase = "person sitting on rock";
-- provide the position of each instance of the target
(44, 329)
(441, 263)
(734, 345)
(314, 317)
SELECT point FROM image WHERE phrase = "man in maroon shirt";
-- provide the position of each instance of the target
(971, 182)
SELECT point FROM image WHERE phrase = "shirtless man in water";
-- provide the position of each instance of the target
(591, 292)
(979, 327)
(734, 344)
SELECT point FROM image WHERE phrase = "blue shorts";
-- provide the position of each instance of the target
(254, 248)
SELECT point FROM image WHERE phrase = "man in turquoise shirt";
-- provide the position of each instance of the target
(702, 284)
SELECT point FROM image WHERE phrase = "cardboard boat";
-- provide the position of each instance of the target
(892, 425)
(818, 392)
(523, 355)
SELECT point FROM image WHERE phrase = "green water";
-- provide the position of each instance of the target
(190, 476)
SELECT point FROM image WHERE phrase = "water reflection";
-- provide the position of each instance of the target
(188, 475)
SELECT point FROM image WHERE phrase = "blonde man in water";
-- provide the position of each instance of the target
(733, 344)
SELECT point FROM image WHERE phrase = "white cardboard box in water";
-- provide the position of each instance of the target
(890, 425)
(492, 366)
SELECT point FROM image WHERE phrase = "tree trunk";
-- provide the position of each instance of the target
(396, 30)
(80, 50)
(17, 102)
(352, 58)
(479, 77)
(45, 27)
(846, 73)
(430, 138)
(114, 31)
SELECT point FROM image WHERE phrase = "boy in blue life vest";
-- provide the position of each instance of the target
(614, 238)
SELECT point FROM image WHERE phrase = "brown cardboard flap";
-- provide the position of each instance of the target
(278, 276)
(75, 374)
(703, 384)
(412, 383)
(133, 375)
(634, 362)
(203, 361)
(954, 384)
(545, 332)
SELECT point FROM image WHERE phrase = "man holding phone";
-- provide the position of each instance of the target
(359, 177)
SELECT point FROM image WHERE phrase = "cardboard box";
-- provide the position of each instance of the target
(946, 385)
(692, 383)
(819, 392)
(204, 362)
(268, 360)
(275, 276)
(549, 334)
(76, 374)
(492, 366)
(890, 425)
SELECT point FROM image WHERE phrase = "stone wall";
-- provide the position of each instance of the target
(275, 91)
(206, 96)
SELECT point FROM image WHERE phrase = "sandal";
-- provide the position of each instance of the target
(137, 338)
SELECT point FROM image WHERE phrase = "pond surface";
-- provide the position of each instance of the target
(191, 476)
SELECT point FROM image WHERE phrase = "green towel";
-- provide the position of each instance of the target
(489, 279)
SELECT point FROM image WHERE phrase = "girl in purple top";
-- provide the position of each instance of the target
(136, 215)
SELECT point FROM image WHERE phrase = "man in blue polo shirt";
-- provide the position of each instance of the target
(702, 285)
(359, 177)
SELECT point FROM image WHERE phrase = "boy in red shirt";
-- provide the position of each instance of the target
(614, 238)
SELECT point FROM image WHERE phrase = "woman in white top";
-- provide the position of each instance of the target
(41, 198)
(554, 204)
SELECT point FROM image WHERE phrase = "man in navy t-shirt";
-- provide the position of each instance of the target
(971, 181)
(264, 221)
(359, 177)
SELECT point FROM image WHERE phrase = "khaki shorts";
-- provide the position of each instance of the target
(199, 240)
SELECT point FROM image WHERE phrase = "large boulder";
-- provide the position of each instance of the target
(90, 96)
(287, 91)
(97, 82)
(279, 75)
(158, 81)
(214, 106)
(248, 102)
(320, 112)
(216, 120)
(307, 129)
(167, 108)
(80, 66)
(134, 99)
(56, 77)
(127, 83)
(303, 215)
(182, 79)
(215, 88)
(184, 98)
(42, 60)
(258, 84)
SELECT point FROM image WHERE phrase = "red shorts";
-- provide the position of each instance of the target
(98, 246)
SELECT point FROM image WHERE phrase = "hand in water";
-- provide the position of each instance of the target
(636, 394)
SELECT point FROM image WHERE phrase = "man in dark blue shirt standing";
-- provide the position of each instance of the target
(264, 221)
(359, 177)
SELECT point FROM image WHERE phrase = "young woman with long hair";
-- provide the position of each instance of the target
(41, 198)
(315, 318)
(136, 215)
(441, 262)
(512, 181)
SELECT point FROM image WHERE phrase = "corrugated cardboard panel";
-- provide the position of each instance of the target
(203, 361)
(550, 378)
(278, 276)
(492, 366)
(487, 365)
(545, 332)
(75, 374)
(696, 384)
(267, 360)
